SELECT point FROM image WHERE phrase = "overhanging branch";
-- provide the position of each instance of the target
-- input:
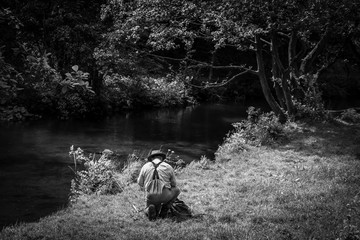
(224, 82)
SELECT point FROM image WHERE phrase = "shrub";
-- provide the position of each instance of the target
(98, 176)
(15, 113)
(9, 79)
(74, 96)
(258, 129)
(46, 91)
(311, 105)
(132, 92)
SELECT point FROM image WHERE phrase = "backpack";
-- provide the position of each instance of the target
(177, 211)
(156, 185)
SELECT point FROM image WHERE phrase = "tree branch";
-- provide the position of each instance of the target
(309, 59)
(224, 82)
(265, 41)
(206, 65)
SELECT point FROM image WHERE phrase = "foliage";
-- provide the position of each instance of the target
(69, 96)
(258, 129)
(9, 79)
(200, 32)
(15, 113)
(145, 91)
(42, 41)
(98, 177)
(350, 115)
(311, 105)
(76, 95)
(133, 47)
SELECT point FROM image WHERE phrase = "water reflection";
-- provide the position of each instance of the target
(34, 173)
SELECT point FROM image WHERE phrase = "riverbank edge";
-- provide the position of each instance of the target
(306, 188)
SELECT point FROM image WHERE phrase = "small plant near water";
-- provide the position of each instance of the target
(174, 160)
(98, 177)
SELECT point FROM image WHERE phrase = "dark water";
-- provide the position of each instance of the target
(34, 173)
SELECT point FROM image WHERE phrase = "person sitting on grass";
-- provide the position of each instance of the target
(158, 180)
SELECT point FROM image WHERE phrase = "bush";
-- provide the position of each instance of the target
(311, 105)
(76, 96)
(9, 80)
(258, 129)
(15, 113)
(121, 91)
(98, 176)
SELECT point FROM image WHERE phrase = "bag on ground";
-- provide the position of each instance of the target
(178, 210)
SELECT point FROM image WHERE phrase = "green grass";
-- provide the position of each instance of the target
(305, 188)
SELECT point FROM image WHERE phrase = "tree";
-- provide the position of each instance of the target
(296, 39)
(42, 41)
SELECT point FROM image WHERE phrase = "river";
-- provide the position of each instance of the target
(34, 173)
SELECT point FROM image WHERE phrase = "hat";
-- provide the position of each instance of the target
(156, 153)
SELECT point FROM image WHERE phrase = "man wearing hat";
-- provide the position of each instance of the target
(168, 183)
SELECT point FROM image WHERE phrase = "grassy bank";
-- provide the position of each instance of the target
(305, 188)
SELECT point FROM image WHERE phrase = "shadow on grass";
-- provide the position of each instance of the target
(325, 140)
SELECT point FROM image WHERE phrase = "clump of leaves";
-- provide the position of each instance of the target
(98, 177)
(76, 95)
(311, 106)
(350, 115)
(258, 129)
(15, 113)
(132, 92)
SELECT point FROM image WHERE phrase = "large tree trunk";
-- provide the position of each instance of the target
(264, 83)
(282, 74)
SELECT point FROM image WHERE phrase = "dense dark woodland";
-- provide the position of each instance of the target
(77, 58)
